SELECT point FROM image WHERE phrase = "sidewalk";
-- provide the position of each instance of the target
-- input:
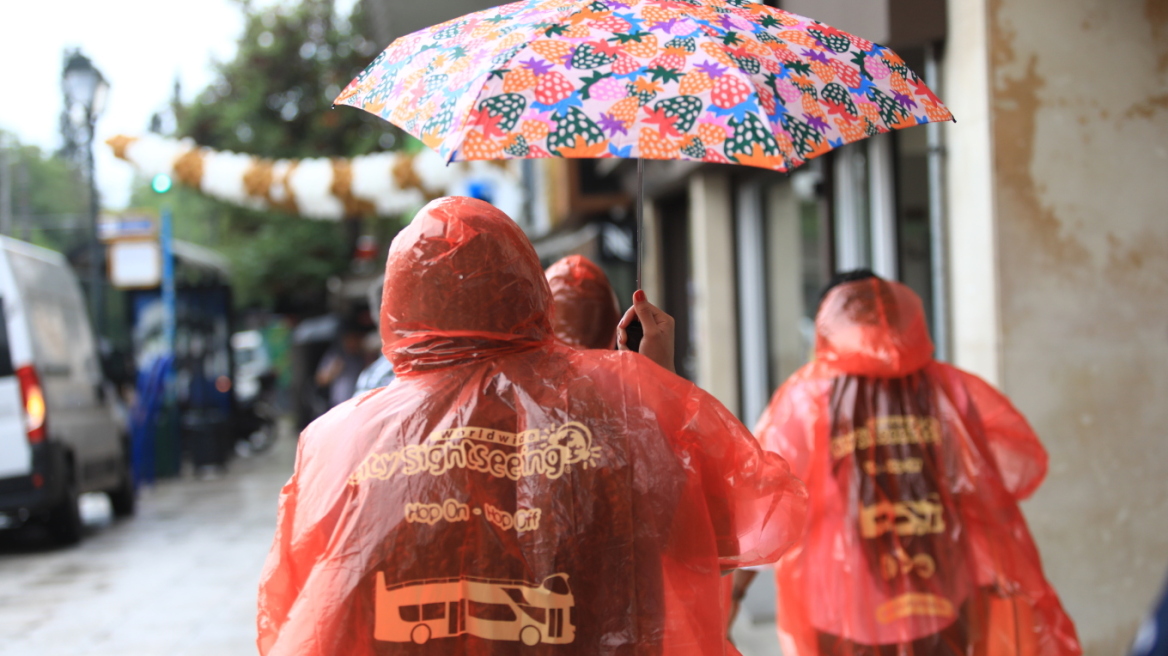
(178, 579)
(754, 629)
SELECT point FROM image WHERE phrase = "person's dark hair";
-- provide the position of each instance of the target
(842, 277)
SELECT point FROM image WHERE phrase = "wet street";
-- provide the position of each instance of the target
(179, 579)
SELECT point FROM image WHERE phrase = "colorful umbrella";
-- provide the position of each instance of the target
(727, 81)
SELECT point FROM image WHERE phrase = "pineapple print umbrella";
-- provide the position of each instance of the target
(727, 81)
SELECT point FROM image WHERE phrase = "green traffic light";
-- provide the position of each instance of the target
(161, 183)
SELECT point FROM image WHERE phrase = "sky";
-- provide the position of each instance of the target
(138, 45)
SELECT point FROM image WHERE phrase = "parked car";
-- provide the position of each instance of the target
(58, 438)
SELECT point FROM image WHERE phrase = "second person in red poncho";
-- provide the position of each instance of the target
(509, 494)
(915, 545)
(586, 312)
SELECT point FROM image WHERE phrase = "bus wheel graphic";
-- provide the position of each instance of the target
(530, 636)
(421, 634)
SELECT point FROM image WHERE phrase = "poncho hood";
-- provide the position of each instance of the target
(586, 310)
(872, 327)
(462, 282)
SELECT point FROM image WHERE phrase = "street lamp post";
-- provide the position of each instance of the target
(85, 92)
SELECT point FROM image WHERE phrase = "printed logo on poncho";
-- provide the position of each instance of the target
(888, 452)
(548, 452)
(493, 609)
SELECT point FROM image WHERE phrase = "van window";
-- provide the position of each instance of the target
(434, 611)
(5, 354)
(57, 320)
(409, 613)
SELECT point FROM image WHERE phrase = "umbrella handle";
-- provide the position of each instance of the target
(634, 332)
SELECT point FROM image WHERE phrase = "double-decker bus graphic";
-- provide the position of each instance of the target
(494, 609)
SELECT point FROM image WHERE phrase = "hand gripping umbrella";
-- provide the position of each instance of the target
(725, 81)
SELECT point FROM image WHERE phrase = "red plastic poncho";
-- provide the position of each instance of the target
(509, 494)
(586, 311)
(915, 469)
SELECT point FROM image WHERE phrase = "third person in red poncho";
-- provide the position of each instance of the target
(509, 494)
(914, 544)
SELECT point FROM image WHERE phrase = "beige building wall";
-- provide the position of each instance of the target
(714, 307)
(1060, 269)
(975, 331)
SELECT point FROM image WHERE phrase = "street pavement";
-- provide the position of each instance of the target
(179, 579)
(754, 631)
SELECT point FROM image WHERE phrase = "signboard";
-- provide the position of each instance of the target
(135, 264)
(131, 224)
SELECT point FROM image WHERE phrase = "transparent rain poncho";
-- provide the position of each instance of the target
(509, 494)
(586, 310)
(914, 540)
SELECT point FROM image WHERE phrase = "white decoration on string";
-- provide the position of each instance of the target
(308, 183)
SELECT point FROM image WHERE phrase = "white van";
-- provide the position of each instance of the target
(58, 438)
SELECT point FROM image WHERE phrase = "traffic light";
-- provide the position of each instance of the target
(161, 183)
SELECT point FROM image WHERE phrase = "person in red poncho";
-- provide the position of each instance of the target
(509, 494)
(914, 542)
(586, 310)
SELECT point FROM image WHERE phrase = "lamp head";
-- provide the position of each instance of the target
(83, 84)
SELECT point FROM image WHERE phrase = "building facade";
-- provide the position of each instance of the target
(1034, 229)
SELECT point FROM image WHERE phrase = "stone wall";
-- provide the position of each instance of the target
(1074, 278)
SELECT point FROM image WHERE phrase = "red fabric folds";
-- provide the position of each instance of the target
(915, 543)
(509, 494)
(586, 310)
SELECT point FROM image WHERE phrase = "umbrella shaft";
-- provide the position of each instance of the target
(640, 230)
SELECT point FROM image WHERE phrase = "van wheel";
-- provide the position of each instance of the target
(421, 634)
(65, 519)
(530, 636)
(122, 498)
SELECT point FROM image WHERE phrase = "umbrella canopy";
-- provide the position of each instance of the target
(726, 81)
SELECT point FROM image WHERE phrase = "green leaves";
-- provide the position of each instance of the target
(662, 74)
(800, 67)
(589, 82)
(273, 99)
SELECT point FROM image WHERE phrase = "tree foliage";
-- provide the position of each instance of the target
(48, 198)
(274, 100)
(275, 97)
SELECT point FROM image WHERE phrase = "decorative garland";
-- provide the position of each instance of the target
(383, 184)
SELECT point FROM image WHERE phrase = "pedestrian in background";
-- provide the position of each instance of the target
(342, 364)
(914, 542)
(509, 489)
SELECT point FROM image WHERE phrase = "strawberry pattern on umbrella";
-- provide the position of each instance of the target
(726, 81)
